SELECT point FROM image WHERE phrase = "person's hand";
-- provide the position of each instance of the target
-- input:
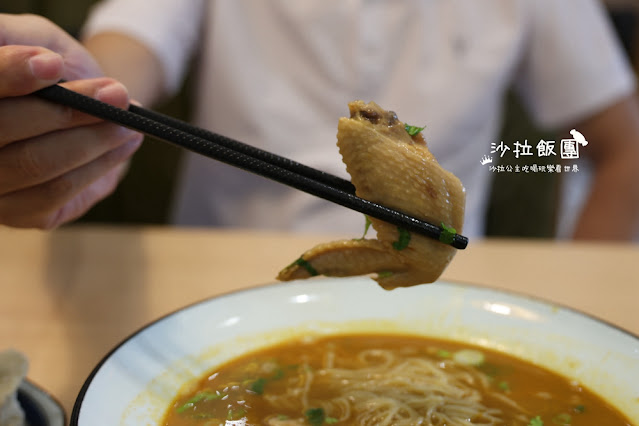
(55, 163)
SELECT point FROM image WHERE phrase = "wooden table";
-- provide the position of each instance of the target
(68, 296)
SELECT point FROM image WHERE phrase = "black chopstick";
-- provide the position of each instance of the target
(246, 157)
(250, 150)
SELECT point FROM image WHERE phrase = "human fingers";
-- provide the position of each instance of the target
(25, 69)
(37, 160)
(68, 196)
(33, 30)
(88, 197)
(29, 116)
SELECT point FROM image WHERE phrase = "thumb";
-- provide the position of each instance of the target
(25, 69)
(33, 30)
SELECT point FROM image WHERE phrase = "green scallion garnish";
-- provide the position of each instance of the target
(413, 130)
(537, 421)
(402, 240)
(503, 385)
(367, 226)
(306, 265)
(562, 419)
(315, 416)
(235, 414)
(447, 235)
(198, 397)
(258, 386)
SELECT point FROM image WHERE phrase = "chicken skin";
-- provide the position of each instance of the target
(391, 167)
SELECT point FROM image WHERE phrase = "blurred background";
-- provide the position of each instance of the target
(521, 205)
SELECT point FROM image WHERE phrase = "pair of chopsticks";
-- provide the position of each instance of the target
(246, 157)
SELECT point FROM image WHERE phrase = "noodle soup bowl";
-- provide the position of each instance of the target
(137, 382)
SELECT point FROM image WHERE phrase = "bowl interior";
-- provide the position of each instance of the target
(137, 381)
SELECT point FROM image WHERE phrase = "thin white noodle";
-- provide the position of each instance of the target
(329, 359)
(503, 398)
(387, 389)
(307, 385)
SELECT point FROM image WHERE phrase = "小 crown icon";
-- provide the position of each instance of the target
(486, 159)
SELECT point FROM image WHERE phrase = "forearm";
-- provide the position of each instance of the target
(612, 208)
(130, 62)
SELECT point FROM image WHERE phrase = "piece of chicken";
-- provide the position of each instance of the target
(390, 167)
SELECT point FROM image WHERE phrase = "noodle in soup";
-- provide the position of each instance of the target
(386, 380)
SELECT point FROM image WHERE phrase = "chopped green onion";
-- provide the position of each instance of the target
(279, 373)
(258, 386)
(447, 236)
(403, 239)
(384, 274)
(330, 420)
(367, 226)
(306, 265)
(537, 421)
(200, 396)
(185, 407)
(282, 417)
(562, 419)
(490, 370)
(442, 353)
(503, 385)
(413, 130)
(235, 414)
(580, 408)
(315, 416)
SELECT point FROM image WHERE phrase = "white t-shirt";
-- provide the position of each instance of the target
(278, 74)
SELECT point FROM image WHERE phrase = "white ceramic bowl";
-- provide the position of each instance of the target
(136, 382)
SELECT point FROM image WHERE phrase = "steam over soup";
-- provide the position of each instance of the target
(386, 380)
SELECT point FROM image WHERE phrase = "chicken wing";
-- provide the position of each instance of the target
(389, 166)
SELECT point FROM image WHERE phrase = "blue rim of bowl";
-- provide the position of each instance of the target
(77, 406)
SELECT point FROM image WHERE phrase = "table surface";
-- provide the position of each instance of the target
(67, 297)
